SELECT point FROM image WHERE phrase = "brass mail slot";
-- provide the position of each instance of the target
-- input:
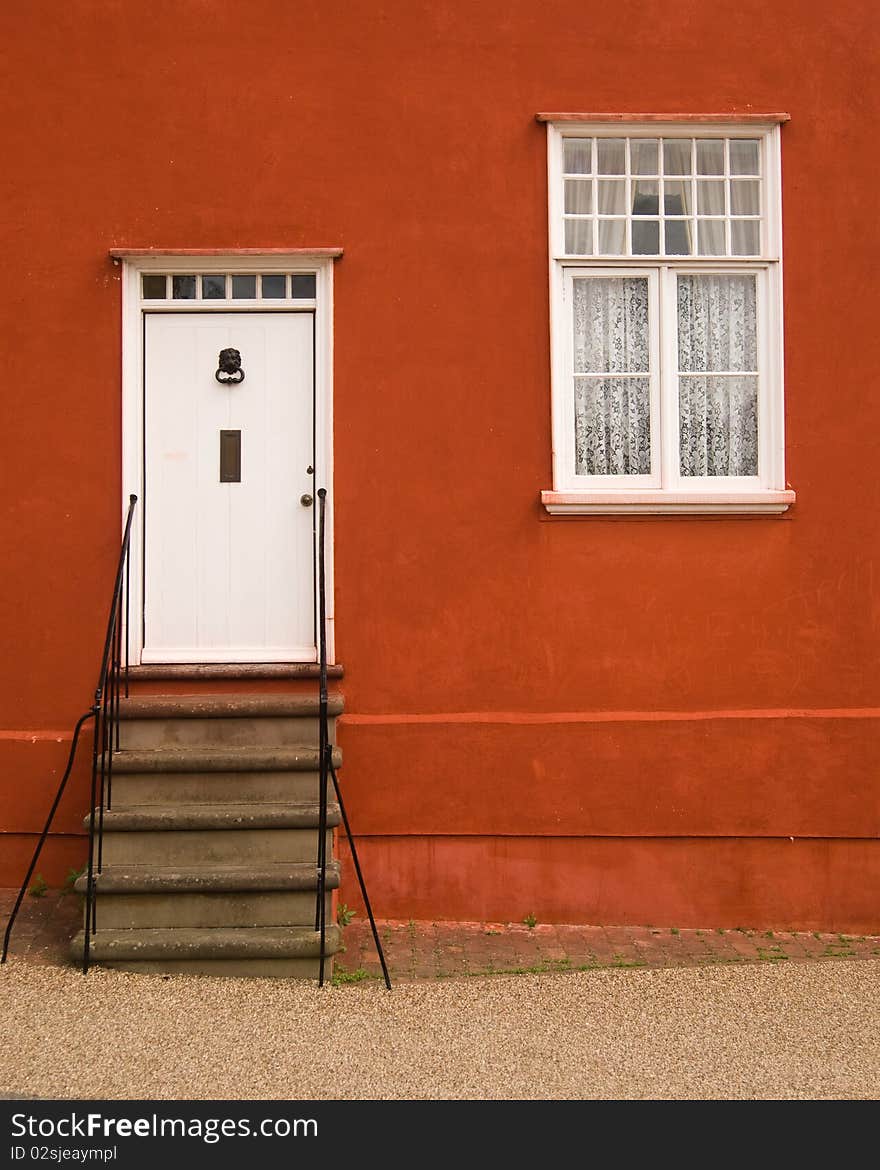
(230, 456)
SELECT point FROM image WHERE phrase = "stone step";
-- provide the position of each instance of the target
(230, 671)
(202, 817)
(216, 879)
(222, 759)
(210, 847)
(206, 945)
(225, 706)
(211, 909)
(306, 969)
(133, 897)
(200, 834)
(171, 788)
(137, 734)
(155, 721)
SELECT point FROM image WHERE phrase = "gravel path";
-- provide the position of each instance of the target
(755, 1031)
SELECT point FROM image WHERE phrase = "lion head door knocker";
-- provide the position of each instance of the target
(229, 371)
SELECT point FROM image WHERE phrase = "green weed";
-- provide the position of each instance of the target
(344, 914)
(71, 880)
(341, 976)
(771, 955)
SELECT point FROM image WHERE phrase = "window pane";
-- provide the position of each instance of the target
(183, 288)
(710, 198)
(718, 426)
(646, 237)
(644, 154)
(717, 323)
(244, 288)
(214, 287)
(710, 156)
(578, 156)
(303, 287)
(611, 325)
(153, 287)
(677, 197)
(273, 287)
(678, 237)
(745, 237)
(744, 158)
(579, 237)
(579, 196)
(611, 156)
(612, 237)
(645, 197)
(745, 198)
(676, 156)
(612, 426)
(710, 236)
(611, 196)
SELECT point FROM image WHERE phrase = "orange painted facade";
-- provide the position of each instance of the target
(662, 719)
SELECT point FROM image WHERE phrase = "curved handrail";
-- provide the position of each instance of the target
(105, 712)
(121, 570)
(27, 877)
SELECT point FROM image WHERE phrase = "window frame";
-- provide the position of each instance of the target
(669, 491)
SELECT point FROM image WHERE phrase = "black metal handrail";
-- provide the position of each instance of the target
(327, 771)
(112, 680)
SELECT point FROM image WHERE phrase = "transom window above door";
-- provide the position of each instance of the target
(667, 326)
(273, 287)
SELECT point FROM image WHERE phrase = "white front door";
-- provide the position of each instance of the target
(228, 540)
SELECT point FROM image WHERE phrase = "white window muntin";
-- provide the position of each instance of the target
(566, 431)
(768, 177)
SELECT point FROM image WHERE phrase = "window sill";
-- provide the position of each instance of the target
(659, 503)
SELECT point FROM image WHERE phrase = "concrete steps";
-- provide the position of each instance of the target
(210, 840)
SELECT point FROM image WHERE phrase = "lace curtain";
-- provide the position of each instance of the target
(612, 413)
(718, 383)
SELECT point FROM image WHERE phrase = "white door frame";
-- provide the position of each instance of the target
(318, 262)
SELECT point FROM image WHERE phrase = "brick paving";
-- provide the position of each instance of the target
(443, 950)
(436, 950)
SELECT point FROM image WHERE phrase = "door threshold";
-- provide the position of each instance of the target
(243, 670)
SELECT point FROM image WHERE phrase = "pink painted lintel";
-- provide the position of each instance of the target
(127, 253)
(733, 116)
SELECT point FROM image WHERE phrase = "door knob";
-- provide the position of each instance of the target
(306, 500)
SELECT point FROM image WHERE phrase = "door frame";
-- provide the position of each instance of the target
(317, 262)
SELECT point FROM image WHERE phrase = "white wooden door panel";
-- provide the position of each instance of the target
(229, 573)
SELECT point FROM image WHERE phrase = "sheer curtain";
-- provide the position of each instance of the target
(611, 363)
(718, 382)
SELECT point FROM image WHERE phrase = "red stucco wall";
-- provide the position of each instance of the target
(405, 132)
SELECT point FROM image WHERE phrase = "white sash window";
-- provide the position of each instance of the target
(666, 310)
